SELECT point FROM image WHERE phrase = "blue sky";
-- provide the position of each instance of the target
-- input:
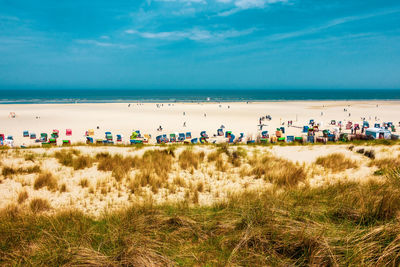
(195, 44)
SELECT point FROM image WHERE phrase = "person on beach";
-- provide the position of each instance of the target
(184, 124)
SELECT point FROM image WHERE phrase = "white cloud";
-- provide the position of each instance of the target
(329, 24)
(105, 44)
(193, 34)
(247, 4)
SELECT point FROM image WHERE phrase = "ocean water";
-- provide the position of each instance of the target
(167, 95)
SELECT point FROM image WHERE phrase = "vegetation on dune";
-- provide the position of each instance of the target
(279, 171)
(336, 162)
(339, 224)
(10, 171)
(73, 158)
(386, 164)
(45, 179)
(189, 159)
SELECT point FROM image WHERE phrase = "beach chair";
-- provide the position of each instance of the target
(305, 129)
(365, 124)
(32, 136)
(146, 138)
(68, 132)
(109, 136)
(231, 138)
(203, 140)
(349, 125)
(188, 135)
(53, 141)
(377, 125)
(10, 137)
(344, 137)
(298, 139)
(321, 140)
(25, 134)
(311, 139)
(181, 137)
(240, 138)
(311, 122)
(134, 135)
(138, 134)
(278, 134)
(119, 138)
(159, 139)
(264, 137)
(90, 132)
(46, 144)
(165, 138)
(290, 138)
(220, 132)
(282, 129)
(2, 138)
(89, 140)
(56, 133)
(204, 134)
(273, 139)
(331, 137)
(194, 141)
(136, 141)
(172, 138)
(281, 139)
(66, 142)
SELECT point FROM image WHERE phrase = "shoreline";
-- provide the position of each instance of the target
(195, 101)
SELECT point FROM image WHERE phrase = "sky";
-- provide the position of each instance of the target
(199, 44)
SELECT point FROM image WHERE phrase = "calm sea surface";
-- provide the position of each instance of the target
(102, 96)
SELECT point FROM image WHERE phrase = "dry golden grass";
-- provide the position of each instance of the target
(213, 156)
(386, 163)
(10, 171)
(63, 188)
(189, 159)
(336, 162)
(73, 158)
(45, 179)
(22, 196)
(179, 181)
(39, 204)
(277, 170)
(84, 182)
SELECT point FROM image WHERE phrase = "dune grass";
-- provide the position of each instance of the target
(189, 159)
(334, 225)
(45, 179)
(10, 171)
(336, 162)
(73, 158)
(279, 171)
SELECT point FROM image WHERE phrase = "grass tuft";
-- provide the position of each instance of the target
(336, 162)
(45, 179)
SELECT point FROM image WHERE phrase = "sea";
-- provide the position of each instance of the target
(47, 96)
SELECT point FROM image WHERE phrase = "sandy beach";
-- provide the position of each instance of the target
(123, 118)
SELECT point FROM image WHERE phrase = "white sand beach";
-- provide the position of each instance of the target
(123, 118)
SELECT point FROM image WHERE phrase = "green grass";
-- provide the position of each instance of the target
(340, 225)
